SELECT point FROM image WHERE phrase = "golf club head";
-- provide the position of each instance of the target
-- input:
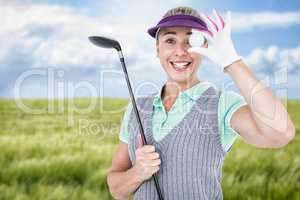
(105, 42)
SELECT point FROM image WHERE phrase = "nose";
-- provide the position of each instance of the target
(181, 49)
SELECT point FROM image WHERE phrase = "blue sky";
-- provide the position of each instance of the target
(51, 36)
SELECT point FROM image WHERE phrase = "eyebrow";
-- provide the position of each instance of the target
(174, 33)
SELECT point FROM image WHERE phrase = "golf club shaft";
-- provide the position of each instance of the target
(138, 118)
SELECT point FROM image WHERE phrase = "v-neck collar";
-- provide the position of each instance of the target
(164, 141)
(192, 93)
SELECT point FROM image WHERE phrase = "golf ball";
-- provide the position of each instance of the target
(196, 38)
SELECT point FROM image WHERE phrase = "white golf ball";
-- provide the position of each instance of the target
(196, 39)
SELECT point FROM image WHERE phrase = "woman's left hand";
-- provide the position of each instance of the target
(220, 47)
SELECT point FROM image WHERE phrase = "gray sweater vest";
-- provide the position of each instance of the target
(191, 153)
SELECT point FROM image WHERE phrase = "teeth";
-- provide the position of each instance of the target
(181, 64)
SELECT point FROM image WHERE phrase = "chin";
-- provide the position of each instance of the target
(180, 79)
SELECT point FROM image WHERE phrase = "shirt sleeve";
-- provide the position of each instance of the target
(123, 135)
(229, 102)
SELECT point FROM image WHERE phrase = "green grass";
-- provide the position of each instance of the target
(65, 154)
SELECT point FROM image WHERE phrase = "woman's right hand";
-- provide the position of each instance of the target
(147, 161)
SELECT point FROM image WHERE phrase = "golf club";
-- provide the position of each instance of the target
(105, 42)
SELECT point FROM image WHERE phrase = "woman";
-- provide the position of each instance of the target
(190, 125)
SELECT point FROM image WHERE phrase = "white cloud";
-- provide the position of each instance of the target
(57, 36)
(273, 59)
(249, 21)
(44, 35)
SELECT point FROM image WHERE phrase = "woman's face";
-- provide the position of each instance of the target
(180, 65)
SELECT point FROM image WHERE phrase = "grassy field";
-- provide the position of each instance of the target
(63, 153)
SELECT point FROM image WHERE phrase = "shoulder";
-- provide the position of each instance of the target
(212, 92)
(230, 94)
(211, 88)
(230, 98)
(141, 102)
(229, 102)
(223, 91)
(145, 99)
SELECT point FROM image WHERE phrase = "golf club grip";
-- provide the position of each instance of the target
(160, 197)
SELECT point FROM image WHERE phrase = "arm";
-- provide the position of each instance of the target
(122, 178)
(264, 122)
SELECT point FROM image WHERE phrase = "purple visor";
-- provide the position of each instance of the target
(179, 20)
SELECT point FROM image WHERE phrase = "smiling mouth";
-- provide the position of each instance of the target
(180, 66)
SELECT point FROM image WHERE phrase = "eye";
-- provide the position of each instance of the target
(170, 41)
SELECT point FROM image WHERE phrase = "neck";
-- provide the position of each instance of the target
(172, 89)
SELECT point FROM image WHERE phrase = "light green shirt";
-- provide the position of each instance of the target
(164, 121)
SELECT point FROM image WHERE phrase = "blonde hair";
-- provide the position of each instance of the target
(181, 10)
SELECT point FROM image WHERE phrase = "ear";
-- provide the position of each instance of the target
(157, 50)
